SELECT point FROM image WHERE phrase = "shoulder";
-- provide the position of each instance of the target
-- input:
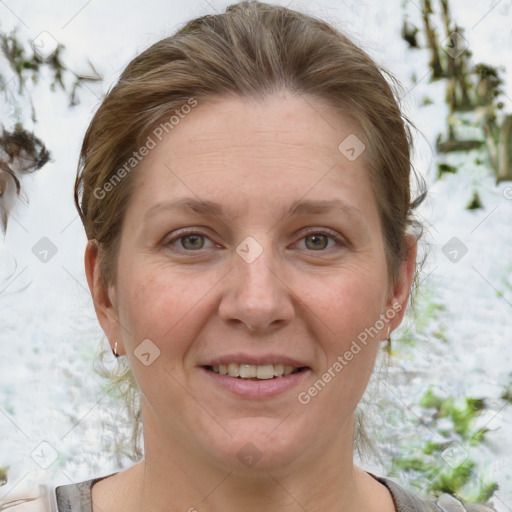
(406, 501)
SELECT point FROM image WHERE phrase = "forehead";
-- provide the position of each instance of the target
(300, 121)
(285, 144)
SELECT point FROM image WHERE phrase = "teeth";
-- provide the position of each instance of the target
(288, 370)
(250, 371)
(234, 370)
(265, 372)
(278, 370)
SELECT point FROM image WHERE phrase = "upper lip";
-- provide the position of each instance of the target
(256, 360)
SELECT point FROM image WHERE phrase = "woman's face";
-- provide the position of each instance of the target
(252, 240)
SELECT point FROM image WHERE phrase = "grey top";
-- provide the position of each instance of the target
(77, 498)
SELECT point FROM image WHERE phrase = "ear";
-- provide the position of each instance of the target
(399, 296)
(103, 296)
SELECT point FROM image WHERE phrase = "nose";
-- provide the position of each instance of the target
(256, 294)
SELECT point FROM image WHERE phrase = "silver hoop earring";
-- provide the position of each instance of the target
(388, 346)
(114, 350)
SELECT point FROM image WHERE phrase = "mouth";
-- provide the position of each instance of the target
(267, 377)
(255, 372)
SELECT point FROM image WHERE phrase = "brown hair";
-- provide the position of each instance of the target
(252, 50)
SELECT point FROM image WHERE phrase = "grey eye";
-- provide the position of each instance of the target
(319, 241)
(196, 241)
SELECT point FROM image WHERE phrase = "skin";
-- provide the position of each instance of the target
(305, 297)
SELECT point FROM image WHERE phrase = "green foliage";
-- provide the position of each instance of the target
(429, 312)
(27, 65)
(3, 475)
(443, 168)
(489, 80)
(409, 33)
(18, 59)
(432, 466)
(424, 321)
(507, 391)
(462, 412)
(454, 479)
(468, 86)
(439, 447)
(440, 334)
(475, 203)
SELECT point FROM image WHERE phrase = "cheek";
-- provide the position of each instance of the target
(349, 347)
(349, 301)
(349, 308)
(162, 305)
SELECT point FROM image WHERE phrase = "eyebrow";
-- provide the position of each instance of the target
(212, 208)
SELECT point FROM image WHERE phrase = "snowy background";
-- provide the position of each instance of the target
(55, 416)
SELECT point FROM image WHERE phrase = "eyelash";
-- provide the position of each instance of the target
(341, 242)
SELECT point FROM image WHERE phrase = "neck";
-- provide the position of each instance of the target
(174, 474)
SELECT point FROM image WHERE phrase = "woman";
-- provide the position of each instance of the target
(245, 189)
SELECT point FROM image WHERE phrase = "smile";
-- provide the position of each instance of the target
(250, 371)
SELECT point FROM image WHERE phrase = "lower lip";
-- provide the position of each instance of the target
(265, 388)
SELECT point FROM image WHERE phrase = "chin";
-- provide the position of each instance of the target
(259, 444)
